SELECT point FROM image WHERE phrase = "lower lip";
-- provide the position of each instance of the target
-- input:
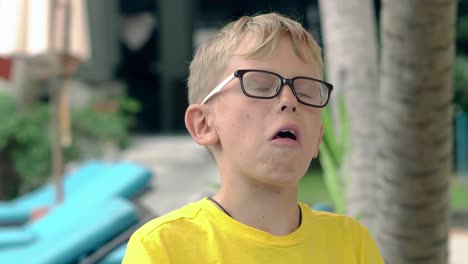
(285, 142)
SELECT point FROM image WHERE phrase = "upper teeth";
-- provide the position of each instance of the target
(290, 131)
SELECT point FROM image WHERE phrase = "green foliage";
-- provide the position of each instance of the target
(25, 136)
(111, 120)
(461, 83)
(23, 139)
(462, 27)
(336, 144)
(312, 189)
(459, 195)
(332, 154)
(7, 115)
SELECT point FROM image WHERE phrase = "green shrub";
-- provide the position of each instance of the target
(461, 83)
(332, 153)
(25, 137)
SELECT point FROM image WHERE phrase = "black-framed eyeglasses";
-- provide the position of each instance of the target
(266, 85)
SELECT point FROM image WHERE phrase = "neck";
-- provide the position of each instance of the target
(271, 210)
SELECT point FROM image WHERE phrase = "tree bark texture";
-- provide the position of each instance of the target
(415, 135)
(352, 67)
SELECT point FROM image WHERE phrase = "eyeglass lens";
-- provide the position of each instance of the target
(267, 85)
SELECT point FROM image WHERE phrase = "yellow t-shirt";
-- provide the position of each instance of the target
(201, 233)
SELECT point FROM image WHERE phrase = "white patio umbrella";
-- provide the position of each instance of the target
(33, 27)
(52, 28)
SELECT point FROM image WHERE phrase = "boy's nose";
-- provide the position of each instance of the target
(288, 101)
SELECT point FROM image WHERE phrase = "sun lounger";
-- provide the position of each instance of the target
(91, 182)
(114, 250)
(123, 180)
(19, 210)
(116, 256)
(78, 232)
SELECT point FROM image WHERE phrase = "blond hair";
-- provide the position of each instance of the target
(212, 58)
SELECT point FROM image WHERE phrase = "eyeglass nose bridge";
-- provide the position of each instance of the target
(288, 82)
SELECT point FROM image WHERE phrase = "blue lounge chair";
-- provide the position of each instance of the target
(75, 232)
(116, 256)
(19, 210)
(114, 251)
(101, 180)
(123, 180)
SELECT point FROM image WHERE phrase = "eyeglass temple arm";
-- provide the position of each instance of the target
(218, 88)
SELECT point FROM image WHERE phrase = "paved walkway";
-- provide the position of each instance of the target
(184, 172)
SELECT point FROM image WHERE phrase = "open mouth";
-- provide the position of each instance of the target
(286, 134)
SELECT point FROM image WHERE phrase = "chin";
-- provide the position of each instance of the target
(278, 171)
(281, 178)
(289, 169)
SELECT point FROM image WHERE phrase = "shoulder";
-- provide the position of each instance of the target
(165, 223)
(335, 224)
(333, 219)
(159, 238)
(344, 230)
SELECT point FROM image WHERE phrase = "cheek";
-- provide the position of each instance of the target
(315, 128)
(236, 126)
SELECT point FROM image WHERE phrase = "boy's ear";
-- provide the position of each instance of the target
(319, 141)
(198, 125)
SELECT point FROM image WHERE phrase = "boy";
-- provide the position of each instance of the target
(262, 125)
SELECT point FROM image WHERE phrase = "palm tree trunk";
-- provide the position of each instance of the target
(351, 55)
(415, 137)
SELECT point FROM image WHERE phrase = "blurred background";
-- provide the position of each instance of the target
(92, 103)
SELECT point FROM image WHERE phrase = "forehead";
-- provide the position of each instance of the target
(282, 59)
